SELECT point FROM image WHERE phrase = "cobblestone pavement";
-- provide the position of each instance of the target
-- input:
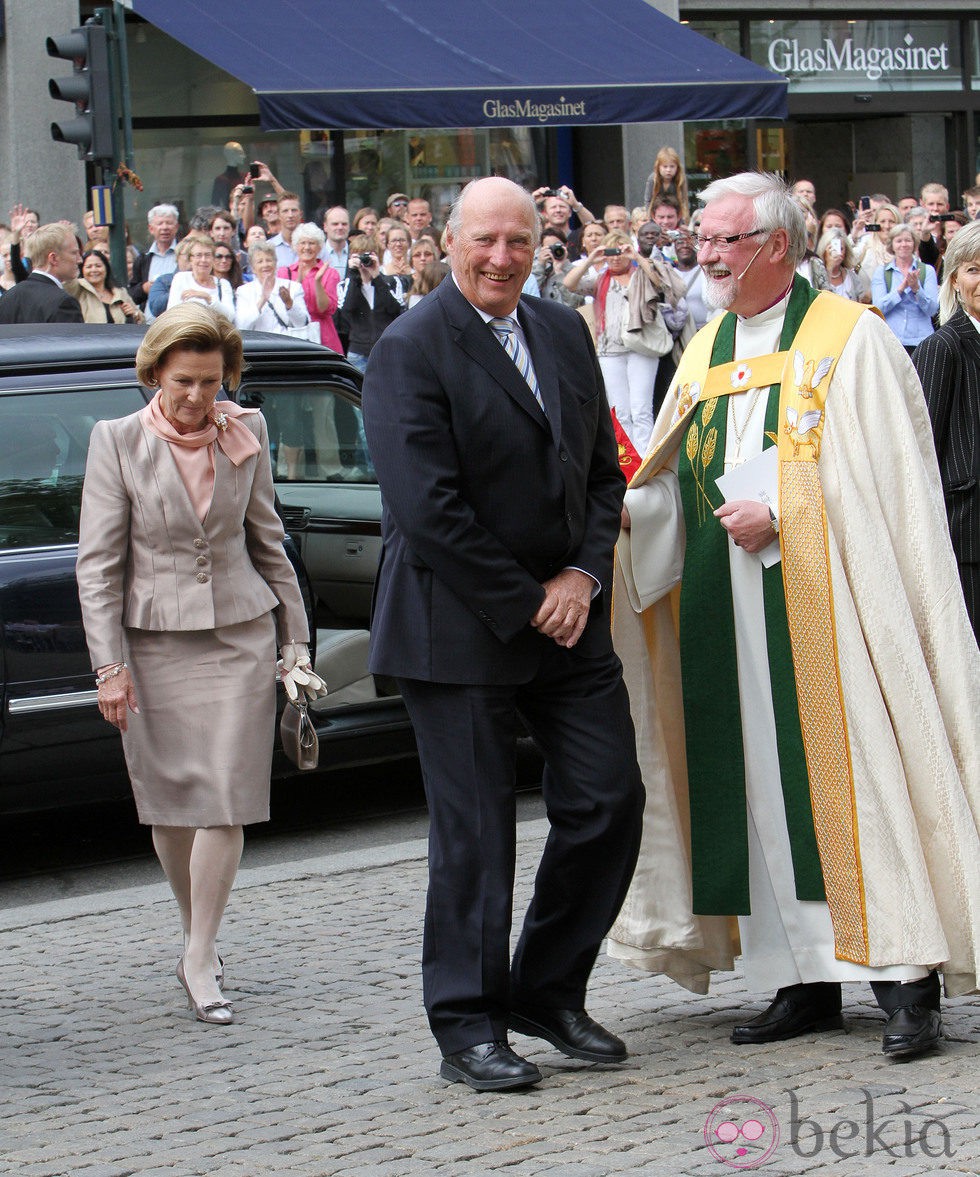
(329, 1068)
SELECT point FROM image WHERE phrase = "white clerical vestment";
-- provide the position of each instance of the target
(906, 667)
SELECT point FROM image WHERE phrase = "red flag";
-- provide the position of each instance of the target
(629, 459)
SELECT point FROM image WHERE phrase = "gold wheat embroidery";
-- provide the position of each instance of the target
(700, 449)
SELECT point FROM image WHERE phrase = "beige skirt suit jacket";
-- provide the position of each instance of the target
(195, 608)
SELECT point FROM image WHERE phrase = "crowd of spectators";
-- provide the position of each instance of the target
(342, 278)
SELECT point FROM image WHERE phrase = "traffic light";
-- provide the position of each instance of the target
(89, 88)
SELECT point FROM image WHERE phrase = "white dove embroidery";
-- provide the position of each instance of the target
(808, 375)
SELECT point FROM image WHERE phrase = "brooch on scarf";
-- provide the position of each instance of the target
(220, 420)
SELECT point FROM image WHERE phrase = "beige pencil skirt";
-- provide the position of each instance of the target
(200, 751)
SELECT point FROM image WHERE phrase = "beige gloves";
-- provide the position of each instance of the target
(302, 683)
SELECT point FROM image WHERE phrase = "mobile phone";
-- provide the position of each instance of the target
(255, 167)
(246, 189)
(864, 203)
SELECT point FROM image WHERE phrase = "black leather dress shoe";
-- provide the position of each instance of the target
(489, 1066)
(795, 1010)
(572, 1031)
(912, 1029)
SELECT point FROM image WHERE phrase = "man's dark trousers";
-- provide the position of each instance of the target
(576, 709)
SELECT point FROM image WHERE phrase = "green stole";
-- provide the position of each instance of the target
(712, 712)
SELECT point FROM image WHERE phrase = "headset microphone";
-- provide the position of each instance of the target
(749, 266)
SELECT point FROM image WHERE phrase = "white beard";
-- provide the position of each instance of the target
(720, 292)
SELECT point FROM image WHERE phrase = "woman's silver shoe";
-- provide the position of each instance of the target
(215, 1013)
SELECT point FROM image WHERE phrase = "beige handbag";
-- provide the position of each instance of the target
(648, 336)
(299, 739)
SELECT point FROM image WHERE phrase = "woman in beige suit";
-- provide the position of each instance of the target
(185, 589)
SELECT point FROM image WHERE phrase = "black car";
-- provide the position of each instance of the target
(56, 381)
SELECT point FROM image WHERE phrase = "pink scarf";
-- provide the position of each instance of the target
(194, 452)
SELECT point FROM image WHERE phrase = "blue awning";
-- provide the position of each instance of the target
(468, 63)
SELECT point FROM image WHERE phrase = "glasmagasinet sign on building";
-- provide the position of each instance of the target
(881, 55)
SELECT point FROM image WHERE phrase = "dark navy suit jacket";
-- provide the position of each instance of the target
(486, 496)
(948, 364)
(39, 300)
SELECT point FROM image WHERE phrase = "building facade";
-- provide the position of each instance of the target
(876, 104)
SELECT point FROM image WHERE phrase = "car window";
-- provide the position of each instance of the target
(315, 433)
(43, 445)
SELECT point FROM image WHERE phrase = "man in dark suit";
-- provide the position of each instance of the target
(489, 428)
(40, 298)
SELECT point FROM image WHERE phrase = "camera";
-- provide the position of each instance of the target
(558, 251)
(246, 189)
(872, 228)
(673, 234)
(864, 203)
(613, 251)
(942, 217)
(365, 258)
(548, 192)
(255, 167)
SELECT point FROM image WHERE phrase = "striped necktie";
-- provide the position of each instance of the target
(504, 331)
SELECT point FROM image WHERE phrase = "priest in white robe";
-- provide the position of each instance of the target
(800, 663)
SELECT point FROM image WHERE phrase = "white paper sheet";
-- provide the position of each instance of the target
(757, 480)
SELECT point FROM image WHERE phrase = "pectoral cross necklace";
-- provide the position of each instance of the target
(736, 459)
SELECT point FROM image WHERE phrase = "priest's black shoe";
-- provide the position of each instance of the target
(572, 1031)
(489, 1066)
(912, 1029)
(795, 1010)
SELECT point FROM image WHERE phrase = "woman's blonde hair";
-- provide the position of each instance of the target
(190, 327)
(847, 256)
(889, 208)
(184, 247)
(669, 155)
(616, 238)
(965, 247)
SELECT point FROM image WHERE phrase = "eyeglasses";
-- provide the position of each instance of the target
(222, 257)
(723, 244)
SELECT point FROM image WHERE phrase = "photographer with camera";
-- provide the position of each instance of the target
(841, 273)
(556, 206)
(551, 264)
(368, 300)
(870, 235)
(245, 205)
(630, 291)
